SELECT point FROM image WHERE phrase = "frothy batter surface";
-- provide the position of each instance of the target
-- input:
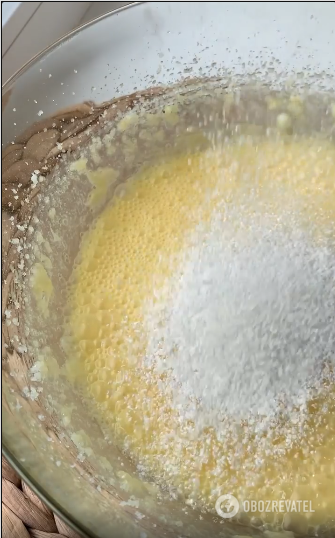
(201, 315)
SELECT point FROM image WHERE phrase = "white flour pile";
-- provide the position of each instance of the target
(248, 322)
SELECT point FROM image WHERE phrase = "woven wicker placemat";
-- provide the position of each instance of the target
(24, 515)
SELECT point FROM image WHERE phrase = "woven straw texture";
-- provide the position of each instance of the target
(24, 515)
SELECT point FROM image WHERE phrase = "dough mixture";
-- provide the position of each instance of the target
(205, 387)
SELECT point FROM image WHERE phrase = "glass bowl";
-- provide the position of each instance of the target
(173, 58)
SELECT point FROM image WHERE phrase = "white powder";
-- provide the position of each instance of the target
(248, 321)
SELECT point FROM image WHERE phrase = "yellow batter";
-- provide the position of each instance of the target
(135, 243)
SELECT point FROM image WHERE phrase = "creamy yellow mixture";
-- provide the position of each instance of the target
(130, 251)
